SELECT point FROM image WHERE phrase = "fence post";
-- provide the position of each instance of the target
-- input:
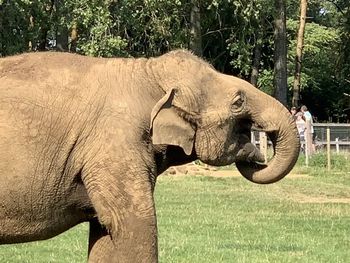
(308, 142)
(263, 144)
(337, 145)
(328, 148)
(252, 138)
(306, 153)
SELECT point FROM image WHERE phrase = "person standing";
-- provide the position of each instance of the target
(293, 111)
(301, 126)
(308, 117)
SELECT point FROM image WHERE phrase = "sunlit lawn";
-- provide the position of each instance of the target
(207, 219)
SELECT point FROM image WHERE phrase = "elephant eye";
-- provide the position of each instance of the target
(238, 102)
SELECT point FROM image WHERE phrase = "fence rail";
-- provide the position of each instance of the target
(339, 135)
(319, 124)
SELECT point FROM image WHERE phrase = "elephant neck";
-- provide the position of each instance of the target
(159, 74)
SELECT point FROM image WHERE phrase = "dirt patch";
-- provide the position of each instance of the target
(206, 170)
(194, 169)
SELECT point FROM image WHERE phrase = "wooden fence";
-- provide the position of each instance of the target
(330, 141)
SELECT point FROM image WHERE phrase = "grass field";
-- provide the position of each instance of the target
(228, 219)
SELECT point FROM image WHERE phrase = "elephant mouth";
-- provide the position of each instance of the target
(246, 150)
(256, 157)
(257, 160)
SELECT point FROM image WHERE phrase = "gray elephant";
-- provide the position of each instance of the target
(83, 140)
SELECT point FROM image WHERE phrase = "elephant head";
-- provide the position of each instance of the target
(210, 115)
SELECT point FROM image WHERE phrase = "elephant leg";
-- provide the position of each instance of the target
(125, 208)
(100, 243)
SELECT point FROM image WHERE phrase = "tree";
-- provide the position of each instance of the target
(45, 26)
(61, 27)
(257, 54)
(280, 52)
(242, 38)
(195, 28)
(299, 53)
(14, 27)
(73, 37)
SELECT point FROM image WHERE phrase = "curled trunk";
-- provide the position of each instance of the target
(282, 131)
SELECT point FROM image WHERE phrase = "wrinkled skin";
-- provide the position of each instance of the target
(84, 139)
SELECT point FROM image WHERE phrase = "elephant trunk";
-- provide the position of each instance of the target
(281, 129)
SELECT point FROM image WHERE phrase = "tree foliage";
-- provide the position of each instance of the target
(237, 36)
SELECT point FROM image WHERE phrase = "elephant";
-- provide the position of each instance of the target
(83, 139)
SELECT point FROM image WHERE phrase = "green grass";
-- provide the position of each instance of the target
(340, 163)
(208, 219)
(69, 247)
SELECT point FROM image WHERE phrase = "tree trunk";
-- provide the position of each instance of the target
(257, 56)
(31, 27)
(195, 28)
(62, 38)
(1, 31)
(280, 53)
(256, 65)
(73, 38)
(61, 29)
(299, 54)
(45, 28)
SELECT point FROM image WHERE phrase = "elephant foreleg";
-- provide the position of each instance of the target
(125, 209)
(102, 249)
(101, 246)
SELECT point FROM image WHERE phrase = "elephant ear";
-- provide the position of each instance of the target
(168, 127)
